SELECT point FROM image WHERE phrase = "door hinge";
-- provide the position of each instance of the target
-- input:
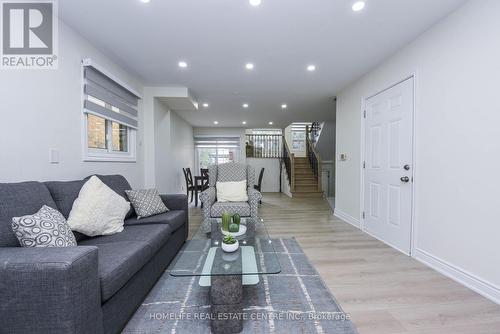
(364, 113)
(363, 215)
(364, 164)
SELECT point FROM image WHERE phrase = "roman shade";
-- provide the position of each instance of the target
(106, 98)
(217, 142)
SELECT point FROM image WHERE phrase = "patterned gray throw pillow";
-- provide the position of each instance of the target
(146, 202)
(46, 228)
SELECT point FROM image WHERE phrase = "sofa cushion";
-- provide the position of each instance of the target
(146, 202)
(118, 262)
(174, 218)
(241, 208)
(98, 210)
(154, 235)
(46, 228)
(64, 194)
(122, 255)
(20, 199)
(119, 184)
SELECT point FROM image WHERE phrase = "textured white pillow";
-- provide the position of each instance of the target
(98, 210)
(232, 191)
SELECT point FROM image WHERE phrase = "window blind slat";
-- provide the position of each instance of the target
(100, 79)
(109, 114)
(233, 141)
(106, 96)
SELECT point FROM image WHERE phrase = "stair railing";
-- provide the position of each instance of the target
(263, 146)
(313, 157)
(289, 161)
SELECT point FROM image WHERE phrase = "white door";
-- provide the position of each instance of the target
(388, 165)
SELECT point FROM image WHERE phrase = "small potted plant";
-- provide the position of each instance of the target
(229, 244)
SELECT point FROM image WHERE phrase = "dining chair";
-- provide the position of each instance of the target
(259, 185)
(204, 175)
(190, 187)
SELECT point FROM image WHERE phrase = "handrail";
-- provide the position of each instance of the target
(314, 158)
(289, 160)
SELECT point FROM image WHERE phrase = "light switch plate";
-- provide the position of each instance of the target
(53, 156)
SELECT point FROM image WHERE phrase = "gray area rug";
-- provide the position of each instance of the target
(294, 301)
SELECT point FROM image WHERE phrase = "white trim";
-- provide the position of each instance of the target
(108, 155)
(413, 236)
(471, 281)
(347, 218)
(90, 62)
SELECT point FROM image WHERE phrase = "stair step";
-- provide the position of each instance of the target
(306, 183)
(304, 173)
(301, 188)
(307, 194)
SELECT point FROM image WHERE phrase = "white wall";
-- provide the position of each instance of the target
(181, 152)
(271, 180)
(168, 143)
(457, 147)
(42, 110)
(289, 141)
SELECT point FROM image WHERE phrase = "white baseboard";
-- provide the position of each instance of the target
(347, 218)
(474, 283)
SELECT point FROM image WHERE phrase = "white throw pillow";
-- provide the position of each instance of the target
(98, 210)
(232, 191)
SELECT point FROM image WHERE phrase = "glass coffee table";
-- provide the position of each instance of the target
(226, 273)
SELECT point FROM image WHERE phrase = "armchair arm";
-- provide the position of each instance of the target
(208, 196)
(254, 197)
(178, 202)
(50, 290)
(208, 199)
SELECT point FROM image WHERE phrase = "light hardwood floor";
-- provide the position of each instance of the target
(384, 291)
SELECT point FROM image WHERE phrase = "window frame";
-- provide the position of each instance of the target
(104, 155)
(108, 154)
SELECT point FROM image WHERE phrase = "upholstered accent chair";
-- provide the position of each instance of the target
(229, 172)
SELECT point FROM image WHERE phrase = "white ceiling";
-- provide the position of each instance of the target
(281, 37)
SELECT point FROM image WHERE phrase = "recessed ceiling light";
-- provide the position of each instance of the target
(245, 105)
(145, 1)
(311, 68)
(244, 122)
(284, 106)
(183, 64)
(255, 3)
(249, 66)
(358, 5)
(205, 105)
(270, 123)
(215, 122)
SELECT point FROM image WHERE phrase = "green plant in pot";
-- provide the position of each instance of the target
(226, 221)
(234, 227)
(229, 244)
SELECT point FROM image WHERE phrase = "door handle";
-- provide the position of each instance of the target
(405, 179)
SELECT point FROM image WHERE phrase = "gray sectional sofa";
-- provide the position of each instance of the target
(94, 287)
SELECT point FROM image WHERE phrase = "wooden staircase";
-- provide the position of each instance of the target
(305, 184)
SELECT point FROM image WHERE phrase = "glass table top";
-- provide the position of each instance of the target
(203, 255)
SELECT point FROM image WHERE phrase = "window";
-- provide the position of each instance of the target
(110, 116)
(210, 150)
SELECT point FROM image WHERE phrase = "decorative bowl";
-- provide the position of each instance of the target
(229, 248)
